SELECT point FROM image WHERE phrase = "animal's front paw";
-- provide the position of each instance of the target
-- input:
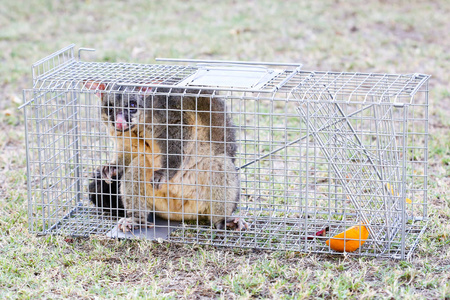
(128, 224)
(159, 178)
(111, 172)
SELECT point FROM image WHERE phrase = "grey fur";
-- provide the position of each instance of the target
(197, 143)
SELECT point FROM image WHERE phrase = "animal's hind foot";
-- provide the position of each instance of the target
(236, 223)
(159, 178)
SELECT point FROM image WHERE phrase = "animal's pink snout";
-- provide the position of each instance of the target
(121, 123)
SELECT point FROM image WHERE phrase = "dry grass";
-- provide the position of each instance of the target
(379, 36)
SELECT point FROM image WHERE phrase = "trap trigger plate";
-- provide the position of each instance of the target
(161, 230)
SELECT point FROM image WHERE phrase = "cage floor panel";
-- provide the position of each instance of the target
(264, 233)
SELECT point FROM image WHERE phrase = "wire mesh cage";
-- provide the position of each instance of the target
(255, 155)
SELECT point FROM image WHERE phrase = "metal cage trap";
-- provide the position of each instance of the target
(288, 158)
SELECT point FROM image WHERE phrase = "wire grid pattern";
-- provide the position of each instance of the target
(314, 154)
(62, 71)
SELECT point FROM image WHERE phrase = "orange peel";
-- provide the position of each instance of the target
(349, 240)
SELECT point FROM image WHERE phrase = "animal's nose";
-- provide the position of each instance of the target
(121, 123)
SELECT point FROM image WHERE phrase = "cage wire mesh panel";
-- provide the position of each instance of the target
(298, 152)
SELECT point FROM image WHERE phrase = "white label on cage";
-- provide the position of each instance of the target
(235, 77)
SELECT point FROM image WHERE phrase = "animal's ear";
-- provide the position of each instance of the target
(143, 93)
(147, 89)
(95, 85)
(143, 89)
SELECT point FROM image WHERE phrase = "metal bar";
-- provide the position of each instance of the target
(53, 55)
(236, 62)
(282, 83)
(416, 241)
(38, 145)
(234, 67)
(29, 195)
(419, 85)
(78, 163)
(155, 85)
(84, 49)
(425, 155)
(403, 185)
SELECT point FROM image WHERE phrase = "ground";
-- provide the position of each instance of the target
(377, 36)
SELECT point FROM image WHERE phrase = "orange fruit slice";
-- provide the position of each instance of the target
(349, 240)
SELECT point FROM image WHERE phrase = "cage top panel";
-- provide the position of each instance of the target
(225, 77)
(62, 71)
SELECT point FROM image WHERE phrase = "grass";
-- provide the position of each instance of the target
(379, 36)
